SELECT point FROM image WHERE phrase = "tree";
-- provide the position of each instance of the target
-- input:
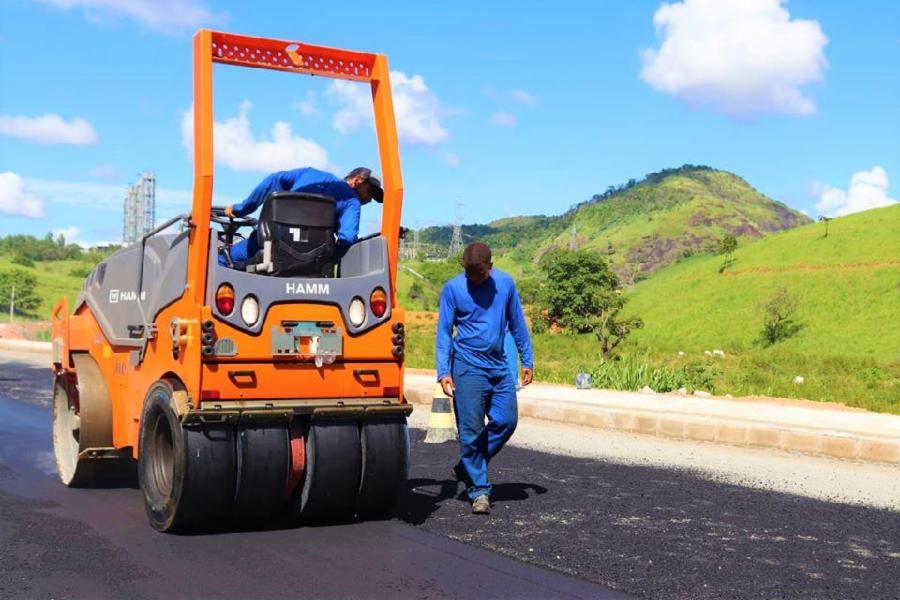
(778, 317)
(27, 300)
(827, 220)
(727, 246)
(583, 295)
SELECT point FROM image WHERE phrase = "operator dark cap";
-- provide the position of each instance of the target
(366, 174)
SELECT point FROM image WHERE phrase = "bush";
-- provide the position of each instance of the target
(81, 272)
(634, 373)
(21, 259)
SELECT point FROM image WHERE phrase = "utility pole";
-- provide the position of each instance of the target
(573, 241)
(12, 302)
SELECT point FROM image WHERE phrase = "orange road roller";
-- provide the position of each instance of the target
(244, 391)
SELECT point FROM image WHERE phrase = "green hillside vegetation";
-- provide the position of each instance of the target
(847, 348)
(641, 226)
(54, 280)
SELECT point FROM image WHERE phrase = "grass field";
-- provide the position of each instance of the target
(847, 349)
(54, 280)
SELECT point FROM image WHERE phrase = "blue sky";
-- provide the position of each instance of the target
(507, 108)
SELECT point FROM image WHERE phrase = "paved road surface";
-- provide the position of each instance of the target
(649, 532)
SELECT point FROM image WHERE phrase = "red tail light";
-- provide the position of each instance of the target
(225, 299)
(378, 302)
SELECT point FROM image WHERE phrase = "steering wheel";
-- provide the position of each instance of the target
(230, 226)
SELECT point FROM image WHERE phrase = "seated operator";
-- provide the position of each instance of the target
(350, 193)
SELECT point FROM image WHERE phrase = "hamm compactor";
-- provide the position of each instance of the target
(244, 391)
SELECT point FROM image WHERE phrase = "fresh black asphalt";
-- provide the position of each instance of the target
(643, 531)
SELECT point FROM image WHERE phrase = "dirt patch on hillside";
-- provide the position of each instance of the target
(814, 268)
(23, 331)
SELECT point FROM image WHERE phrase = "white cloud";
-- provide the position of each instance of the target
(110, 196)
(418, 111)
(308, 107)
(523, 97)
(501, 118)
(104, 172)
(744, 57)
(236, 147)
(868, 189)
(16, 200)
(69, 233)
(48, 129)
(161, 15)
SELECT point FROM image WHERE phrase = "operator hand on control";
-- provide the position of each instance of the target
(229, 211)
(448, 385)
(527, 376)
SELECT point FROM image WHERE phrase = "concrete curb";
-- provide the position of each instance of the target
(720, 428)
(26, 346)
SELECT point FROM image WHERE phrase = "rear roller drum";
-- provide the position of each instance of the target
(263, 465)
(333, 464)
(187, 475)
(385, 465)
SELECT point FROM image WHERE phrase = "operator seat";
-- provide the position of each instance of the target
(296, 236)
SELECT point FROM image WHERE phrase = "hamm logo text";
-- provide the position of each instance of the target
(315, 289)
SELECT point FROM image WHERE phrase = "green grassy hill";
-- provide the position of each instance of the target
(55, 279)
(848, 291)
(641, 226)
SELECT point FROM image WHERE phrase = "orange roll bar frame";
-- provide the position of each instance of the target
(295, 57)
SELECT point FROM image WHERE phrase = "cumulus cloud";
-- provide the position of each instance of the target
(48, 129)
(160, 15)
(236, 147)
(417, 109)
(744, 57)
(16, 200)
(868, 189)
(501, 118)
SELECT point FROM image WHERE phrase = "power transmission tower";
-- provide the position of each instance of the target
(573, 241)
(456, 243)
(415, 250)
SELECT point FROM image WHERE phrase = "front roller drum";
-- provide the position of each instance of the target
(82, 422)
(333, 466)
(385, 465)
(187, 475)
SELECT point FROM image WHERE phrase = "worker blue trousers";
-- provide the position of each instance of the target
(242, 250)
(483, 394)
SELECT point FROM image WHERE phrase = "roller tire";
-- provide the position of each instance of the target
(263, 465)
(333, 465)
(186, 475)
(385, 466)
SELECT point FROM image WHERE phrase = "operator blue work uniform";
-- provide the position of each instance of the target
(475, 358)
(311, 181)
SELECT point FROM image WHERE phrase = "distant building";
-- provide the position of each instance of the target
(140, 209)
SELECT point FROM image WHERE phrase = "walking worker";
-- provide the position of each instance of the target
(350, 193)
(482, 304)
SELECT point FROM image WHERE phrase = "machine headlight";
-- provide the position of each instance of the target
(357, 312)
(250, 309)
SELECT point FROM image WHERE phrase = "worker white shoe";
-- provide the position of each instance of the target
(481, 505)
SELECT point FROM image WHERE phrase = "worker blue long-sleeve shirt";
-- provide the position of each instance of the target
(481, 314)
(311, 181)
